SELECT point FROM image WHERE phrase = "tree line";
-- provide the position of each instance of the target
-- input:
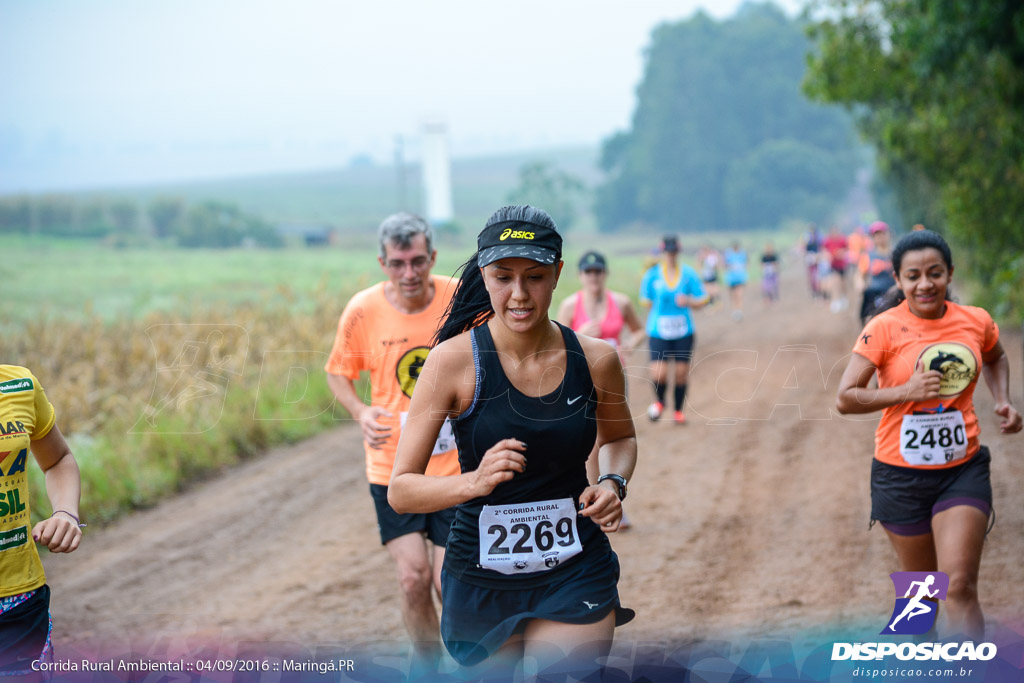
(122, 222)
(722, 137)
(937, 87)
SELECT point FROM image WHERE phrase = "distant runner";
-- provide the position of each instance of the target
(811, 247)
(836, 245)
(710, 264)
(874, 271)
(736, 277)
(599, 312)
(769, 274)
(671, 289)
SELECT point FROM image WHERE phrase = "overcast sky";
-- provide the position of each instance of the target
(120, 92)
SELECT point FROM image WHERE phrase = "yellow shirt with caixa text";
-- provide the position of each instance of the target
(25, 415)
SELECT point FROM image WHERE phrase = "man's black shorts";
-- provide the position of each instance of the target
(392, 525)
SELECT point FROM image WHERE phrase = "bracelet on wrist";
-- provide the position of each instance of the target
(80, 525)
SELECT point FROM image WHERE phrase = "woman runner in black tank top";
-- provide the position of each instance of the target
(562, 429)
(527, 553)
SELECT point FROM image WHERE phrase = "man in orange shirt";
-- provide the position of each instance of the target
(387, 330)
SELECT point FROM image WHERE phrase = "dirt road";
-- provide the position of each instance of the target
(750, 520)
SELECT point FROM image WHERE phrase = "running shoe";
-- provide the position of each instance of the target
(679, 418)
(654, 410)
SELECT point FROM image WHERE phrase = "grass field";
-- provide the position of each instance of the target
(74, 281)
(77, 280)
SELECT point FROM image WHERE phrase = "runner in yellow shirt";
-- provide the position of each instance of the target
(27, 424)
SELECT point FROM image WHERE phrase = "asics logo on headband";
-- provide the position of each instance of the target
(515, 234)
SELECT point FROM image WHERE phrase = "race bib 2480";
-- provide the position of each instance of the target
(933, 439)
(528, 537)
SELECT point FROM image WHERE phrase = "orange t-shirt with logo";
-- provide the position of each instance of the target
(942, 432)
(374, 336)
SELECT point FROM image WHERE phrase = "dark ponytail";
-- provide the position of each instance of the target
(470, 305)
(914, 241)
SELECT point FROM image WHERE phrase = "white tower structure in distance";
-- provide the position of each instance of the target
(437, 172)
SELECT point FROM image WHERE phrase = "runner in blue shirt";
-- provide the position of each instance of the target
(671, 289)
(736, 277)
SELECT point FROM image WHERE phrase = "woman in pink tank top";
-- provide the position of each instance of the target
(609, 327)
(599, 312)
(596, 311)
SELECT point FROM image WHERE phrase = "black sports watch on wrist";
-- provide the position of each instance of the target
(619, 480)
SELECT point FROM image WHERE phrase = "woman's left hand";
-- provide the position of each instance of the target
(1012, 422)
(602, 505)
(59, 533)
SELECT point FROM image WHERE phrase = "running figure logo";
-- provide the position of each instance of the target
(913, 614)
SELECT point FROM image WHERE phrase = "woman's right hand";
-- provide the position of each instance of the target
(58, 534)
(923, 385)
(500, 463)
